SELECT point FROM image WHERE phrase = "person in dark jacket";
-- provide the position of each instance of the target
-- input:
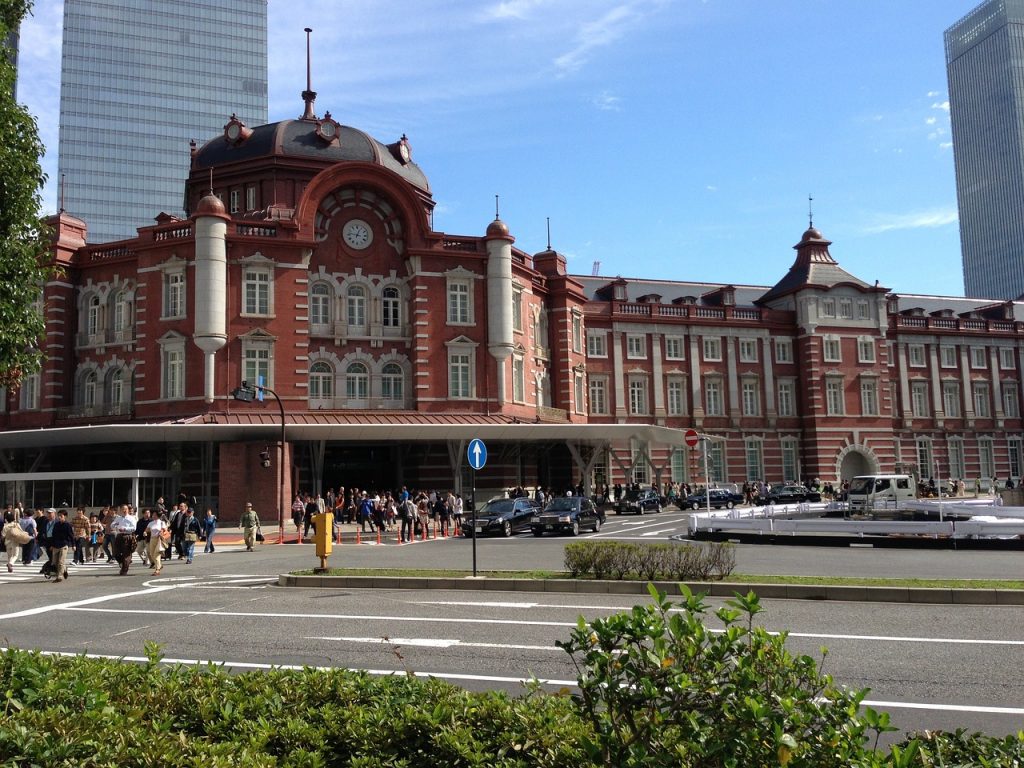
(61, 538)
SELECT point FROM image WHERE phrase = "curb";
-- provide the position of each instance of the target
(917, 595)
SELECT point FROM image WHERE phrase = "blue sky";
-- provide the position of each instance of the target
(674, 139)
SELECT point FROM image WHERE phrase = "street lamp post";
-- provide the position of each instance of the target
(704, 440)
(246, 394)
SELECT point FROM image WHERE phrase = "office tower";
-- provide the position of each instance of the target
(985, 67)
(139, 79)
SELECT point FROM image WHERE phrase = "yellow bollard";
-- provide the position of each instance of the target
(323, 527)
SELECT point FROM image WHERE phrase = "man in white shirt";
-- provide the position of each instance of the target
(123, 525)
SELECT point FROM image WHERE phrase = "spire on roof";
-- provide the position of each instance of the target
(308, 95)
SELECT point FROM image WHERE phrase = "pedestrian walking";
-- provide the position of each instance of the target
(209, 528)
(250, 523)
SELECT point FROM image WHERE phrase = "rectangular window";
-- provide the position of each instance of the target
(256, 366)
(947, 357)
(890, 353)
(956, 459)
(678, 466)
(951, 399)
(915, 355)
(578, 394)
(748, 350)
(869, 397)
(458, 303)
(174, 373)
(834, 397)
(577, 333)
(236, 200)
(636, 347)
(716, 460)
(783, 351)
(919, 399)
(518, 379)
(1006, 358)
(981, 400)
(517, 309)
(751, 398)
(863, 310)
(846, 309)
(790, 469)
(1015, 454)
(1011, 400)
(831, 350)
(978, 357)
(786, 401)
(986, 459)
(250, 198)
(256, 284)
(713, 397)
(866, 350)
(676, 397)
(459, 375)
(924, 457)
(713, 349)
(638, 396)
(28, 393)
(828, 308)
(598, 397)
(755, 460)
(174, 294)
(674, 348)
(597, 344)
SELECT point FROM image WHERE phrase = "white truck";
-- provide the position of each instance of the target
(868, 492)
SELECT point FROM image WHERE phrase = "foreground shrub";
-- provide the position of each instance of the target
(677, 562)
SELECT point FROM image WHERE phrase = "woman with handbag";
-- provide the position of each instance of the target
(190, 535)
(15, 537)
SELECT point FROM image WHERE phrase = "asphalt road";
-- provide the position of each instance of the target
(930, 666)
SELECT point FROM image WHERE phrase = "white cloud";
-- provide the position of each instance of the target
(611, 26)
(930, 120)
(932, 94)
(510, 9)
(941, 105)
(607, 101)
(889, 222)
(946, 145)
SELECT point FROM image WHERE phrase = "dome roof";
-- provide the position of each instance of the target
(298, 139)
(497, 228)
(210, 205)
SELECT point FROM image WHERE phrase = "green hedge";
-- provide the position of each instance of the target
(668, 562)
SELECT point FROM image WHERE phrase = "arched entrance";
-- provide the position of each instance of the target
(856, 461)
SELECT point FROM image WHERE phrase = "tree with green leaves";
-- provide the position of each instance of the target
(24, 239)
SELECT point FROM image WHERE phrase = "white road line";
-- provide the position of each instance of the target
(77, 605)
(1013, 711)
(129, 631)
(442, 642)
(328, 616)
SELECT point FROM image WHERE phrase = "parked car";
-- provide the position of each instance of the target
(501, 515)
(638, 502)
(791, 494)
(720, 497)
(567, 514)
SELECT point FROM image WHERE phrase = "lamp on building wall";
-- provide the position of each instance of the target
(246, 394)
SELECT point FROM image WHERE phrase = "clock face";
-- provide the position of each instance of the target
(327, 129)
(403, 150)
(357, 234)
(234, 129)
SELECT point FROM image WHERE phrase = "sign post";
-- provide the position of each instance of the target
(476, 452)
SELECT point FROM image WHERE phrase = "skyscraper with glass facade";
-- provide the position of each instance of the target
(139, 80)
(985, 67)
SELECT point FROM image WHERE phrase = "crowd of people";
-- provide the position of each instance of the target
(114, 534)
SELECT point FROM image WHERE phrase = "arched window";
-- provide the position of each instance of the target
(321, 381)
(120, 391)
(392, 384)
(89, 389)
(391, 306)
(122, 312)
(356, 306)
(357, 382)
(93, 318)
(320, 304)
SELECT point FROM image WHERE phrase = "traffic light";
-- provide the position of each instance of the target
(265, 457)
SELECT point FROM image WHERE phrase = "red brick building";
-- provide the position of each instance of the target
(313, 267)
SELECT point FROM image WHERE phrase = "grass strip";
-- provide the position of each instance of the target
(741, 578)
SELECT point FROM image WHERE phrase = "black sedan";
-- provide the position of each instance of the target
(720, 497)
(567, 514)
(638, 502)
(502, 516)
(791, 494)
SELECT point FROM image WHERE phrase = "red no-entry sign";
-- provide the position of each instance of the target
(692, 438)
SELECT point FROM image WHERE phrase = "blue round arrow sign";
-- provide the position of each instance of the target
(476, 453)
